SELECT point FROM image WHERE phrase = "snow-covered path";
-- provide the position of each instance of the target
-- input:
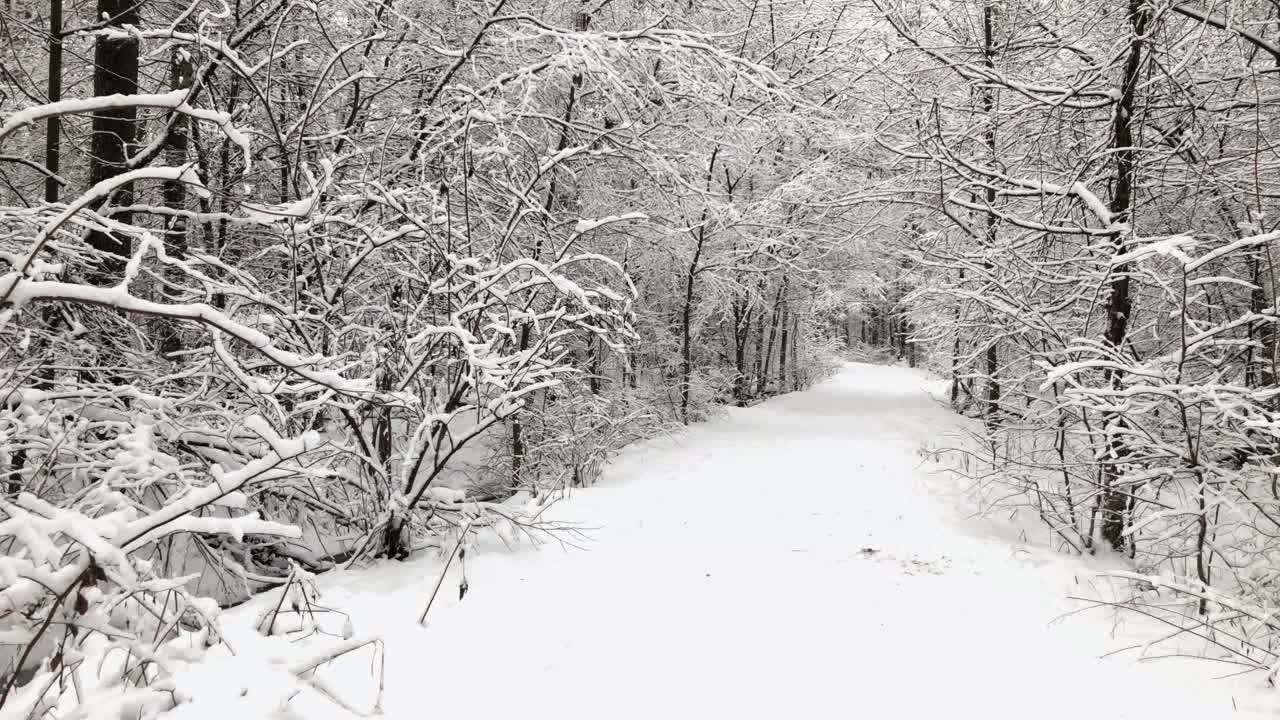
(792, 560)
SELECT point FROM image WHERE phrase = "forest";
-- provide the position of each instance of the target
(297, 286)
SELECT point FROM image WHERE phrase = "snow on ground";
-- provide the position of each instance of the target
(796, 559)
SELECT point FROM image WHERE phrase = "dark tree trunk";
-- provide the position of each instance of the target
(756, 384)
(741, 339)
(53, 125)
(686, 313)
(176, 145)
(783, 345)
(992, 357)
(796, 369)
(766, 360)
(955, 355)
(907, 330)
(1261, 368)
(593, 366)
(52, 140)
(686, 330)
(1119, 306)
(115, 130)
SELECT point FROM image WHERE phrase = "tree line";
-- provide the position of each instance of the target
(1092, 260)
(291, 285)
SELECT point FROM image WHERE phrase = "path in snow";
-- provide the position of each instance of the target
(788, 561)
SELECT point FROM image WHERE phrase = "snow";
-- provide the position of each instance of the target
(175, 100)
(30, 115)
(801, 558)
(585, 226)
(17, 291)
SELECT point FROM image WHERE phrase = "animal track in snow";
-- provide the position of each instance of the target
(910, 566)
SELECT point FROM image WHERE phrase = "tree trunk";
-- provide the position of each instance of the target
(955, 354)
(796, 369)
(1119, 306)
(782, 347)
(1260, 370)
(757, 383)
(52, 140)
(176, 144)
(741, 338)
(593, 366)
(992, 358)
(686, 331)
(766, 360)
(53, 125)
(115, 130)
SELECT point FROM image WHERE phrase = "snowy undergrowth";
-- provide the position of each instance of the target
(1149, 594)
(792, 559)
(1145, 622)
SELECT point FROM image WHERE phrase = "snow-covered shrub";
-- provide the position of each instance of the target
(569, 433)
(82, 603)
(375, 236)
(1099, 282)
(1185, 439)
(819, 358)
(263, 384)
